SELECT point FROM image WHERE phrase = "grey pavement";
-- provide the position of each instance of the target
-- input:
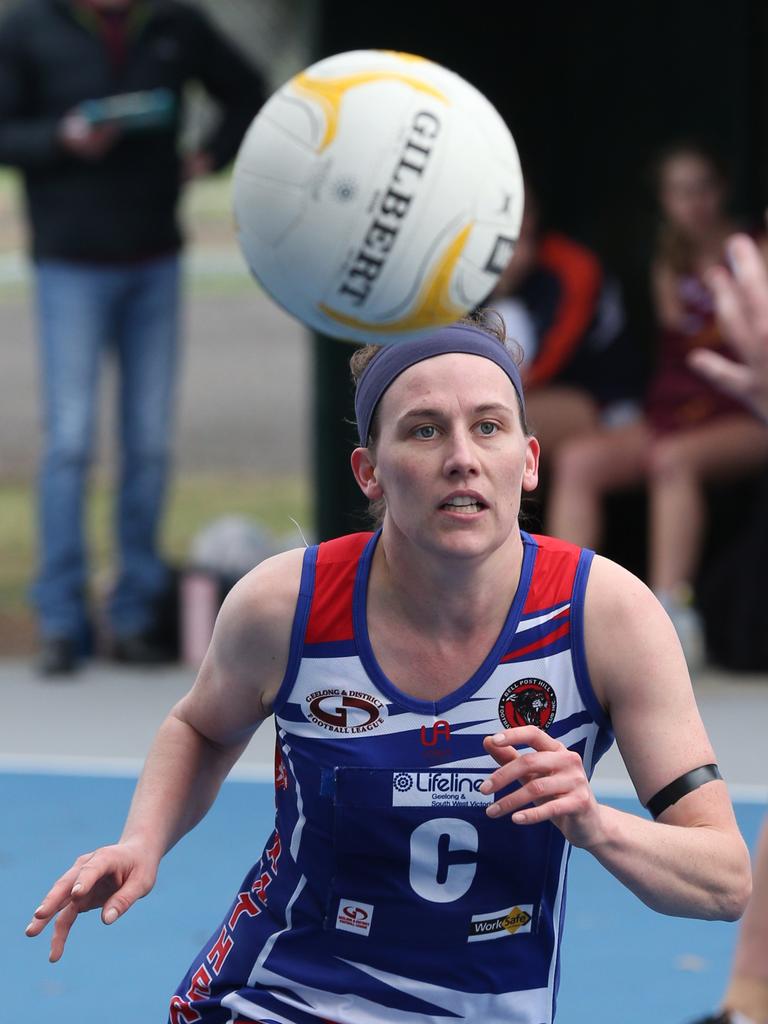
(103, 719)
(100, 721)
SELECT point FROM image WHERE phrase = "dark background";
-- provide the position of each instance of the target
(591, 91)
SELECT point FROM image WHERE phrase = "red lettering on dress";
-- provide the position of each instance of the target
(200, 985)
(261, 885)
(245, 905)
(281, 772)
(220, 951)
(182, 1012)
(273, 853)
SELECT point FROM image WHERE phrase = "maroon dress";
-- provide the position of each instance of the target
(678, 397)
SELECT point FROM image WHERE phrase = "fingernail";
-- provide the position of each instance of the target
(493, 811)
(40, 909)
(520, 817)
(485, 787)
(499, 737)
(28, 929)
(76, 888)
(110, 916)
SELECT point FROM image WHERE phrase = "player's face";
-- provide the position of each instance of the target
(691, 193)
(451, 459)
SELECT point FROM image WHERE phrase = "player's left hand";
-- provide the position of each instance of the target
(548, 776)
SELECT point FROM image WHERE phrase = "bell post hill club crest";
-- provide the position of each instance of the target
(528, 701)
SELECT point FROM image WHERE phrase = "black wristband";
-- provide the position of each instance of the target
(685, 784)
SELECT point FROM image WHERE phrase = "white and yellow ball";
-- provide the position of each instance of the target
(377, 195)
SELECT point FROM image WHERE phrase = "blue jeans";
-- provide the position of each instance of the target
(84, 311)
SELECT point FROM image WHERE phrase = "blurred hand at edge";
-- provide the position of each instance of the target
(741, 300)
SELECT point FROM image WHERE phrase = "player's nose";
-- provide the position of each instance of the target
(461, 454)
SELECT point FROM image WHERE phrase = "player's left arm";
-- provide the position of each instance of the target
(691, 861)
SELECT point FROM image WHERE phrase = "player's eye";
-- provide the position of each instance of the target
(487, 428)
(426, 432)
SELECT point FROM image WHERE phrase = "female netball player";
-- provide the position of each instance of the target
(442, 689)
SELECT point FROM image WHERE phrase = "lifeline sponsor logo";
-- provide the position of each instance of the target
(345, 711)
(439, 789)
(354, 917)
(528, 701)
(501, 923)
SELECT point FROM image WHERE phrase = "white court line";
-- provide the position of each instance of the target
(130, 767)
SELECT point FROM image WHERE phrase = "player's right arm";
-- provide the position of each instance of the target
(195, 748)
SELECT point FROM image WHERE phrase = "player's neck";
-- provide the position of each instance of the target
(443, 594)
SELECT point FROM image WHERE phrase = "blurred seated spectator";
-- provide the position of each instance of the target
(580, 366)
(690, 433)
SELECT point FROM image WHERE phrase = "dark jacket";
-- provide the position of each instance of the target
(123, 207)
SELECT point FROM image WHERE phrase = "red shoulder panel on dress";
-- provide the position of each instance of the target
(553, 574)
(330, 616)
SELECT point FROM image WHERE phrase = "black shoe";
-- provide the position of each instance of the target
(139, 649)
(58, 656)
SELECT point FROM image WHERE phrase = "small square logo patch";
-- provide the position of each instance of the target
(354, 917)
(501, 254)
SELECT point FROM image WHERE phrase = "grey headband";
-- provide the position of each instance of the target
(392, 360)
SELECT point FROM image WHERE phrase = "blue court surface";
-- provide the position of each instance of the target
(621, 962)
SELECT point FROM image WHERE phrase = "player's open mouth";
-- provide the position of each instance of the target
(463, 504)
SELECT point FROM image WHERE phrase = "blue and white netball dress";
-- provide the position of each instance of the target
(385, 893)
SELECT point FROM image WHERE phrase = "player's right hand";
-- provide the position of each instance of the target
(112, 877)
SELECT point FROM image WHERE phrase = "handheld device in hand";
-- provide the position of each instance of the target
(131, 111)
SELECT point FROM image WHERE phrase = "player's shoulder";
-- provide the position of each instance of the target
(617, 595)
(627, 633)
(272, 588)
(268, 593)
(251, 637)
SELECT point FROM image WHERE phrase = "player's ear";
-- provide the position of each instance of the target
(531, 470)
(364, 469)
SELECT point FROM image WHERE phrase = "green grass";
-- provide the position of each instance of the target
(195, 501)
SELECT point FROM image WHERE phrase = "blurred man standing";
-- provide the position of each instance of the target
(90, 111)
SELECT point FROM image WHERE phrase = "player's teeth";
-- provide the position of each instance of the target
(473, 507)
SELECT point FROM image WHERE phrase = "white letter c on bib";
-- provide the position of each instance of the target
(425, 859)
